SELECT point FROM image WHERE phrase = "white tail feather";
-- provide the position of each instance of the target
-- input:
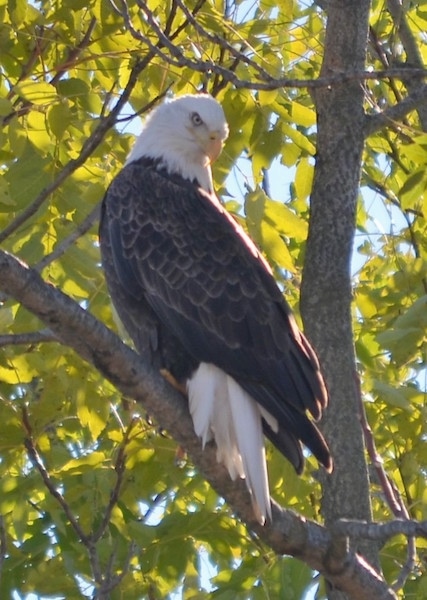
(272, 421)
(220, 408)
(210, 410)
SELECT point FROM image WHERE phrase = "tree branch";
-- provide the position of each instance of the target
(396, 113)
(177, 59)
(74, 53)
(414, 58)
(88, 147)
(287, 534)
(79, 230)
(222, 43)
(119, 467)
(37, 463)
(380, 532)
(37, 53)
(105, 582)
(30, 338)
(392, 496)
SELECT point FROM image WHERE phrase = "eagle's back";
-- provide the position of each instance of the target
(190, 287)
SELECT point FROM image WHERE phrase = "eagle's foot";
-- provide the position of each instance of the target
(180, 387)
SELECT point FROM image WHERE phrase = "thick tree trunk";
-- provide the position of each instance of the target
(326, 289)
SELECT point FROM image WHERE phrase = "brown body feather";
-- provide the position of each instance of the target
(190, 287)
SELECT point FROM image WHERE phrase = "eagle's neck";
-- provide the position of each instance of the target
(174, 156)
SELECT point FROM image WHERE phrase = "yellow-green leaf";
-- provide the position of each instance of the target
(304, 178)
(36, 92)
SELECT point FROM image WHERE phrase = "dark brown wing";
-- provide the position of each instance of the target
(182, 267)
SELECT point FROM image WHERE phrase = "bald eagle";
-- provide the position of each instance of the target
(199, 300)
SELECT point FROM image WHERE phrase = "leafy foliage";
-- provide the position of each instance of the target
(91, 493)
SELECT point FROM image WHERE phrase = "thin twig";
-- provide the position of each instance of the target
(38, 51)
(406, 213)
(380, 189)
(120, 468)
(155, 503)
(223, 43)
(79, 231)
(74, 53)
(96, 138)
(37, 462)
(106, 581)
(30, 338)
(385, 60)
(391, 493)
(407, 37)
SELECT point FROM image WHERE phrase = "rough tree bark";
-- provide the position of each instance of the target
(326, 289)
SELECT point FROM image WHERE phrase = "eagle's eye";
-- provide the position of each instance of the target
(196, 119)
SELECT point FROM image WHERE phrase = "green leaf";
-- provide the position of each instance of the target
(36, 92)
(303, 115)
(17, 11)
(6, 202)
(73, 88)
(408, 332)
(93, 414)
(17, 138)
(402, 343)
(79, 465)
(59, 118)
(299, 139)
(391, 395)
(38, 133)
(304, 178)
(414, 316)
(6, 107)
(276, 248)
(412, 182)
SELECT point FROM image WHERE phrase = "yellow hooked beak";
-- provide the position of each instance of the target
(214, 145)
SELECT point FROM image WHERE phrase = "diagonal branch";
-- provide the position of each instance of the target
(37, 463)
(289, 533)
(88, 148)
(78, 232)
(417, 98)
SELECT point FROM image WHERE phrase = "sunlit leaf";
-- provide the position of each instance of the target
(5, 107)
(59, 118)
(304, 178)
(36, 92)
(303, 115)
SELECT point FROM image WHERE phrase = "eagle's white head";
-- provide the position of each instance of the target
(187, 133)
